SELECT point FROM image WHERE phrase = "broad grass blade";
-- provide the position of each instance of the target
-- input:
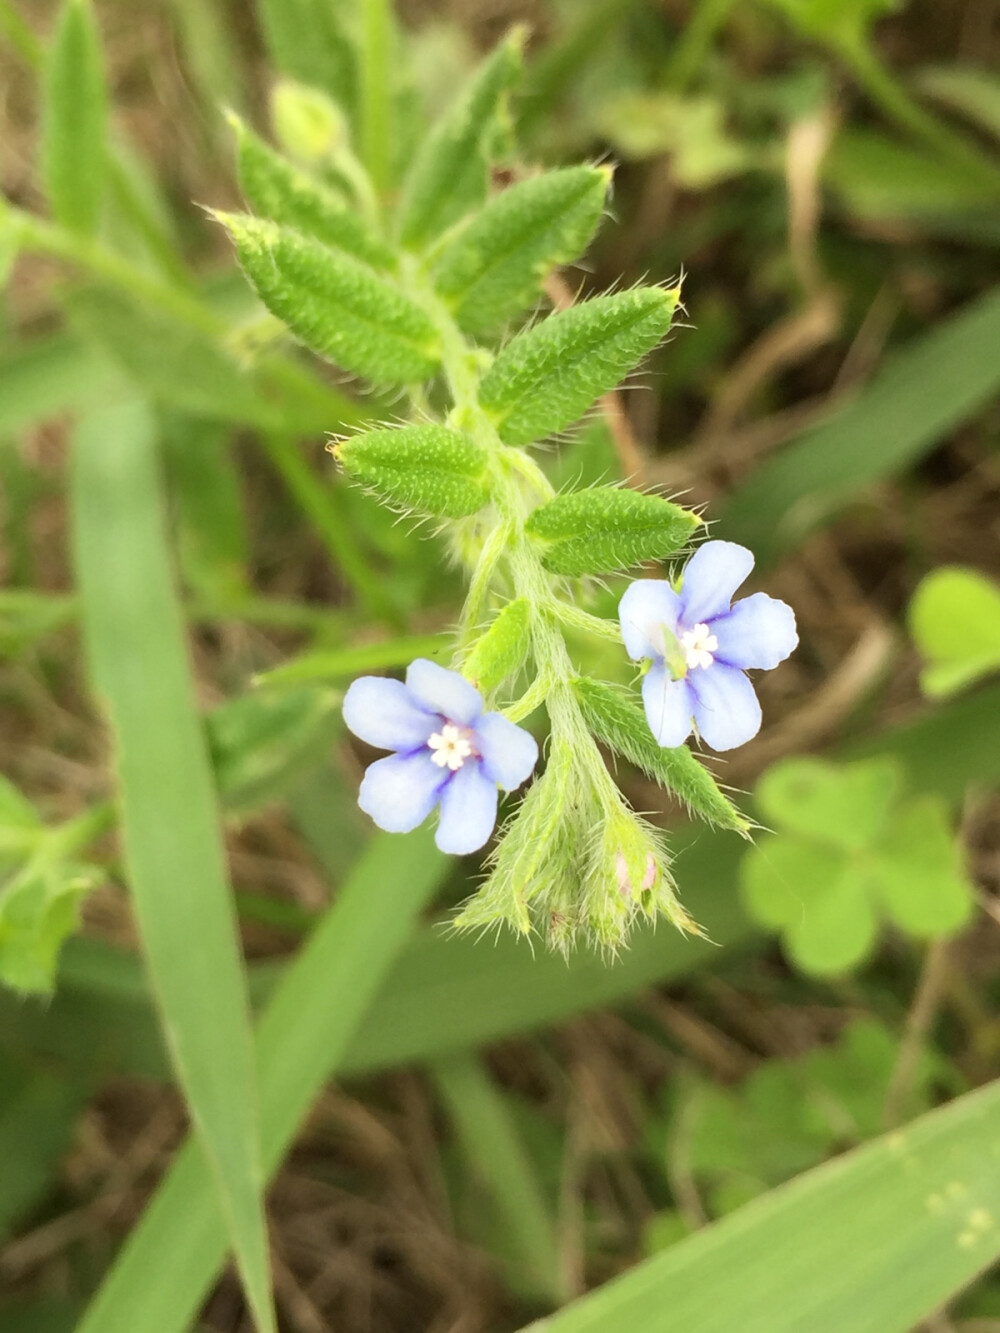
(931, 386)
(173, 844)
(169, 1260)
(871, 1242)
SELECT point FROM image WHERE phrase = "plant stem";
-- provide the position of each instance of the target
(517, 483)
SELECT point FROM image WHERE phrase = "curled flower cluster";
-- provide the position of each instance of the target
(696, 647)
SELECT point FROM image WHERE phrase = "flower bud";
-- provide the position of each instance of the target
(308, 125)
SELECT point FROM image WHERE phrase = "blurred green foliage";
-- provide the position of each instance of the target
(827, 177)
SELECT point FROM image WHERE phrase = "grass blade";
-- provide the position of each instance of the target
(496, 1159)
(170, 1258)
(930, 387)
(173, 845)
(873, 1242)
(75, 115)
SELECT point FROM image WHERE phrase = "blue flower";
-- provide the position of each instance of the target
(699, 647)
(448, 753)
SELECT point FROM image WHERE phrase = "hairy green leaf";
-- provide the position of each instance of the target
(502, 650)
(429, 469)
(75, 112)
(278, 190)
(621, 725)
(605, 528)
(547, 377)
(335, 305)
(495, 266)
(449, 173)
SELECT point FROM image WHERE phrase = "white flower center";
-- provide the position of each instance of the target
(451, 746)
(698, 645)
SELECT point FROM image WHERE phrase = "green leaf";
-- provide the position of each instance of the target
(877, 178)
(918, 871)
(969, 90)
(927, 389)
(547, 377)
(424, 468)
(621, 725)
(606, 528)
(781, 876)
(74, 116)
(38, 1112)
(342, 663)
(502, 650)
(336, 306)
(39, 910)
(207, 499)
(837, 928)
(173, 846)
(307, 40)
(497, 1161)
(955, 622)
(445, 993)
(264, 743)
(840, 22)
(923, 1200)
(26, 616)
(494, 268)
(17, 814)
(172, 361)
(448, 177)
(279, 191)
(691, 129)
(166, 1266)
(844, 805)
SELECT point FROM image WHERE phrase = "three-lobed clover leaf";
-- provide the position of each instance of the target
(788, 1115)
(955, 622)
(850, 849)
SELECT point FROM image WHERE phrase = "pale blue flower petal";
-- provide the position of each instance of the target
(758, 632)
(669, 707)
(443, 691)
(383, 713)
(648, 604)
(468, 811)
(726, 710)
(711, 577)
(401, 791)
(509, 752)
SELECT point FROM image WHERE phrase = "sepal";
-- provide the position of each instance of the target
(606, 528)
